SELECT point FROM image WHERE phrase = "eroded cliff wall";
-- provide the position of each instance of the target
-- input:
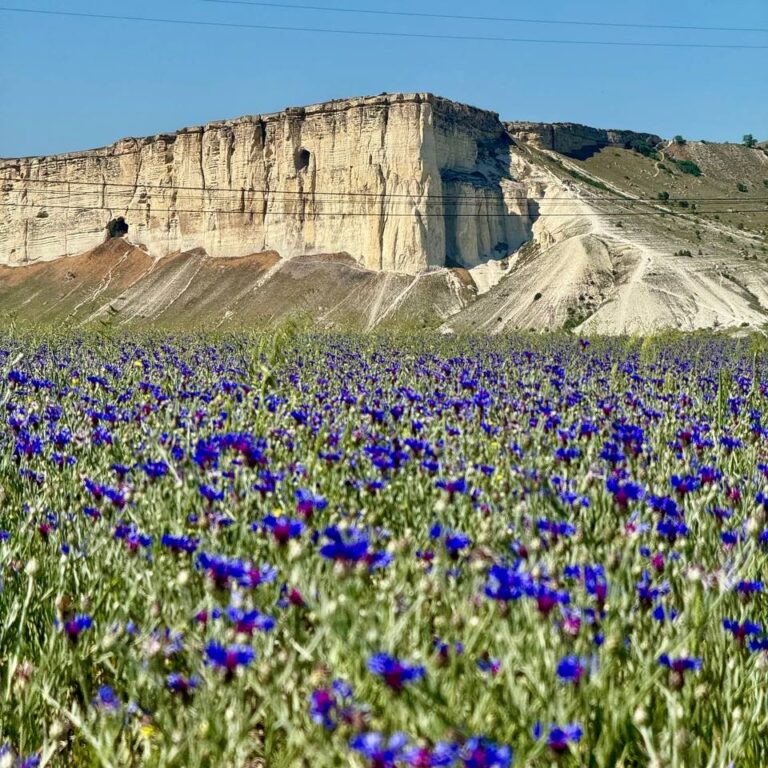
(575, 140)
(400, 182)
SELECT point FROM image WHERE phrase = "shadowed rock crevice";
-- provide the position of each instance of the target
(117, 228)
(303, 156)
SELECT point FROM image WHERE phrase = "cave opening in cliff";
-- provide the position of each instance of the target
(117, 228)
(303, 157)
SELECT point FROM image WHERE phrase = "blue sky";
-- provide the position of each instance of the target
(68, 84)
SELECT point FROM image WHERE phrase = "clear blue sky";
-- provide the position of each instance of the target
(68, 84)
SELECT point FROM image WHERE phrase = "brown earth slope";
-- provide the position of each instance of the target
(119, 285)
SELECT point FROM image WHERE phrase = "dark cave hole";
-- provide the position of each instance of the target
(302, 159)
(117, 228)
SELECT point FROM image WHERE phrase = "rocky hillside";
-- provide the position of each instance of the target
(453, 220)
(637, 242)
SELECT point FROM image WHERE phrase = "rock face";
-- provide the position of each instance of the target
(402, 183)
(574, 140)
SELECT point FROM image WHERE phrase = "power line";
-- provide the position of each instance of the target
(410, 205)
(320, 193)
(379, 33)
(459, 17)
(362, 213)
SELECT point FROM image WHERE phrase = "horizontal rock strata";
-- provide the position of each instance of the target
(402, 183)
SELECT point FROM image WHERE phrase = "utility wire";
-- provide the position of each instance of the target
(360, 213)
(379, 33)
(459, 17)
(252, 201)
(376, 195)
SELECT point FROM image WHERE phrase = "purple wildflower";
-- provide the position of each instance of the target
(228, 659)
(183, 686)
(740, 632)
(483, 753)
(380, 751)
(395, 673)
(75, 627)
(571, 669)
(678, 667)
(559, 738)
(282, 528)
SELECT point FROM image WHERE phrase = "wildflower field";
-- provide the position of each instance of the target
(353, 551)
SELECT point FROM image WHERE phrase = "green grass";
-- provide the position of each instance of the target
(468, 404)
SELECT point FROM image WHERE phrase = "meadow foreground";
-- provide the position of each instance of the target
(338, 550)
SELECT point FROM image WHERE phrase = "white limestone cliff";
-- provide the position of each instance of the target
(402, 182)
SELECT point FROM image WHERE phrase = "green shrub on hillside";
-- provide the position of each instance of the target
(643, 147)
(688, 166)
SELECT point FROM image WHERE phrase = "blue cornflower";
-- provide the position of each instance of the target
(571, 669)
(380, 751)
(155, 469)
(442, 754)
(559, 738)
(247, 622)
(492, 666)
(730, 443)
(223, 571)
(452, 487)
(394, 672)
(479, 752)
(181, 685)
(612, 453)
(683, 485)
(678, 667)
(352, 545)
(211, 494)
(660, 614)
(739, 631)
(761, 644)
(349, 545)
(328, 705)
(180, 543)
(74, 627)
(308, 502)
(624, 492)
(282, 528)
(748, 588)
(595, 582)
(507, 583)
(670, 529)
(556, 528)
(567, 455)
(454, 541)
(664, 504)
(133, 538)
(106, 700)
(547, 598)
(647, 593)
(229, 658)
(220, 569)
